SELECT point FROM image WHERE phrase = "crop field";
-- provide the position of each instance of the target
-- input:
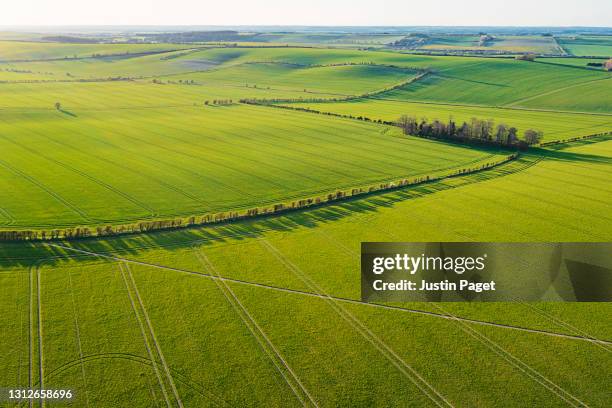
(501, 82)
(510, 44)
(266, 311)
(588, 45)
(178, 170)
(31, 51)
(555, 125)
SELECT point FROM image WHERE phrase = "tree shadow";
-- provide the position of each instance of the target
(65, 112)
(561, 155)
(27, 254)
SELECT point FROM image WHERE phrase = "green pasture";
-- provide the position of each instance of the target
(574, 62)
(555, 125)
(510, 44)
(342, 80)
(500, 82)
(111, 165)
(23, 50)
(600, 46)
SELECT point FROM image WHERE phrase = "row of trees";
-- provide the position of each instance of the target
(484, 131)
(221, 102)
(148, 226)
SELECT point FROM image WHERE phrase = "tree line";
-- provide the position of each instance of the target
(477, 130)
(222, 217)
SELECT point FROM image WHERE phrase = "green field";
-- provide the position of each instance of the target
(555, 125)
(506, 44)
(267, 311)
(600, 46)
(31, 51)
(156, 162)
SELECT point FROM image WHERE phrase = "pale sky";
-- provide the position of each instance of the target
(307, 12)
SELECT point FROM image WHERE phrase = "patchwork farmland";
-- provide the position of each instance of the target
(266, 310)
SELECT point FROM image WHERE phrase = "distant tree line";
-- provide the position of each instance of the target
(575, 139)
(264, 101)
(526, 57)
(219, 102)
(478, 130)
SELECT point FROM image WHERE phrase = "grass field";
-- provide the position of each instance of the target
(267, 311)
(508, 44)
(555, 125)
(588, 45)
(177, 169)
(21, 50)
(502, 82)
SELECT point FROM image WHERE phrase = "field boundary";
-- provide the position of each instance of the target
(272, 102)
(282, 207)
(604, 135)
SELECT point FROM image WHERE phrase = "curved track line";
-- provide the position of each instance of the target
(141, 360)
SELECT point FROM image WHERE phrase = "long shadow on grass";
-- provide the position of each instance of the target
(26, 254)
(65, 112)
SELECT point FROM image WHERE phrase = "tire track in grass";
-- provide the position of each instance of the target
(409, 372)
(20, 312)
(78, 336)
(87, 176)
(145, 337)
(497, 349)
(154, 340)
(131, 170)
(571, 328)
(31, 333)
(141, 360)
(568, 326)
(40, 337)
(10, 220)
(283, 367)
(516, 362)
(512, 360)
(46, 189)
(320, 296)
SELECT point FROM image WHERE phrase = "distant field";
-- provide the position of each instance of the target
(499, 82)
(511, 44)
(555, 125)
(21, 50)
(346, 80)
(588, 46)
